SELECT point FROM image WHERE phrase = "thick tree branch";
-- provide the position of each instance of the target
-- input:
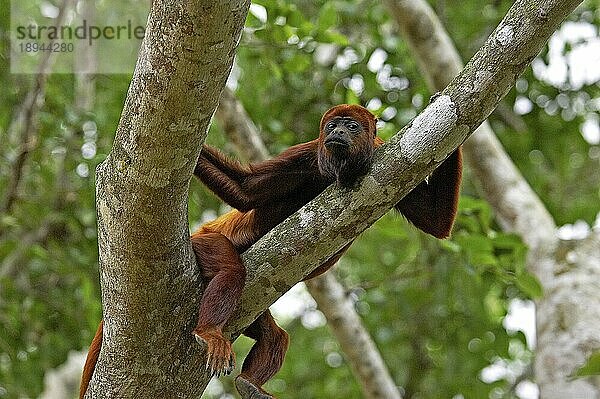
(356, 343)
(337, 216)
(149, 278)
(517, 207)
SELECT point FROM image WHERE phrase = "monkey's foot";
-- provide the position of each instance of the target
(248, 390)
(220, 359)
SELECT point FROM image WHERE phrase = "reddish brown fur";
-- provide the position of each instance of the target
(266, 193)
(90, 361)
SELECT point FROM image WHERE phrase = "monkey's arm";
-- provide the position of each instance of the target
(431, 206)
(252, 186)
(212, 158)
(224, 177)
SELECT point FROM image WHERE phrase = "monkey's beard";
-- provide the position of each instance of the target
(344, 169)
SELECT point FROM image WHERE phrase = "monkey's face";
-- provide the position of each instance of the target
(346, 143)
(340, 134)
(345, 151)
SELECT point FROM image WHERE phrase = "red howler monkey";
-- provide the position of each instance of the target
(263, 195)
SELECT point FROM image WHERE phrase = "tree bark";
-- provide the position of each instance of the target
(150, 282)
(571, 287)
(568, 320)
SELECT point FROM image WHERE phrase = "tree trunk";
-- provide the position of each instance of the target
(149, 278)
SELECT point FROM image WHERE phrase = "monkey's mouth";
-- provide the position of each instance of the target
(336, 144)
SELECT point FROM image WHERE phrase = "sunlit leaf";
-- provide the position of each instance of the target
(591, 367)
(530, 285)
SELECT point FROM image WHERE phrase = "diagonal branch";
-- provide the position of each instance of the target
(517, 206)
(333, 219)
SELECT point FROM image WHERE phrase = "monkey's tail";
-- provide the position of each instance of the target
(90, 361)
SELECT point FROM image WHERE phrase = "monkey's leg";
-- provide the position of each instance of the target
(264, 359)
(222, 268)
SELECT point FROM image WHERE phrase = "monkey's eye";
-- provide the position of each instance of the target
(330, 126)
(354, 126)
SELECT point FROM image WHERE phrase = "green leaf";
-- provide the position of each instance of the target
(508, 241)
(475, 208)
(483, 258)
(327, 16)
(475, 243)
(530, 285)
(276, 69)
(294, 17)
(351, 97)
(331, 36)
(591, 367)
(298, 63)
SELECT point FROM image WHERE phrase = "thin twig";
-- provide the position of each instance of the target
(24, 124)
